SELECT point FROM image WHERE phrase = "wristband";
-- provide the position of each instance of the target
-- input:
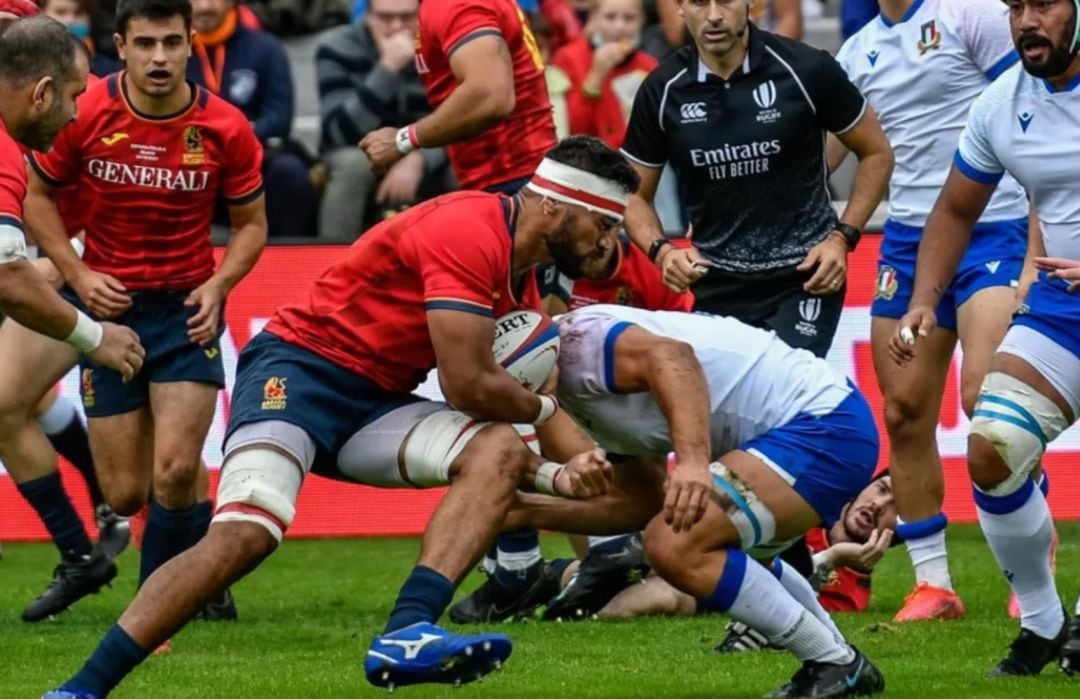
(548, 406)
(544, 482)
(406, 139)
(656, 246)
(87, 335)
(79, 246)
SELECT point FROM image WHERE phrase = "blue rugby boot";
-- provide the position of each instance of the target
(423, 653)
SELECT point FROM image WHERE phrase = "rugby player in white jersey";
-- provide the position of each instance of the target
(921, 64)
(768, 440)
(1026, 124)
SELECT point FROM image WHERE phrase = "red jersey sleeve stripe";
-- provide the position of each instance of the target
(476, 34)
(444, 304)
(44, 174)
(245, 198)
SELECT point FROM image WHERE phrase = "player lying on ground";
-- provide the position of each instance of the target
(327, 388)
(769, 443)
(844, 556)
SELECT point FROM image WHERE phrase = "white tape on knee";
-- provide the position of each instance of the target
(259, 485)
(434, 443)
(1019, 422)
(754, 522)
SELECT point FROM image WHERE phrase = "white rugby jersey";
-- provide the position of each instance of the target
(756, 382)
(1025, 126)
(921, 75)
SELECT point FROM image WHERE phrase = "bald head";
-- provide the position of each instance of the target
(35, 48)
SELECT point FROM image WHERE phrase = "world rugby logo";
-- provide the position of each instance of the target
(765, 95)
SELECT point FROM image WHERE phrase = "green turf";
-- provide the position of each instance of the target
(308, 614)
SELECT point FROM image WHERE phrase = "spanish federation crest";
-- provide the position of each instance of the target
(929, 37)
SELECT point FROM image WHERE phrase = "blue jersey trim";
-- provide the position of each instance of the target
(609, 354)
(1072, 85)
(973, 173)
(907, 15)
(6, 220)
(444, 305)
(1007, 61)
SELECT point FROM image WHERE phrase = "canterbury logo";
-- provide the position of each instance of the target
(765, 94)
(692, 111)
(114, 139)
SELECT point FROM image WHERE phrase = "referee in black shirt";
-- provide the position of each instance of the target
(742, 117)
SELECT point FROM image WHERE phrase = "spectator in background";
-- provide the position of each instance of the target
(606, 68)
(368, 80)
(249, 69)
(782, 17)
(558, 84)
(75, 14)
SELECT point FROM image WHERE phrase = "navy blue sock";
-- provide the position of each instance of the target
(204, 512)
(559, 565)
(519, 559)
(424, 596)
(48, 498)
(168, 533)
(73, 444)
(113, 659)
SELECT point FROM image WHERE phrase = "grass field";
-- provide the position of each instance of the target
(307, 615)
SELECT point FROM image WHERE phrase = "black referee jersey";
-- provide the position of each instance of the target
(749, 151)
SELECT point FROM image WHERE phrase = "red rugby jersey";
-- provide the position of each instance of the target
(636, 282)
(150, 184)
(847, 589)
(368, 312)
(512, 148)
(12, 179)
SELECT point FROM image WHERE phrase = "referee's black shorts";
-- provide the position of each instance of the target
(776, 301)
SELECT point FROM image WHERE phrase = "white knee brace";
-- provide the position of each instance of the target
(1019, 422)
(259, 485)
(755, 523)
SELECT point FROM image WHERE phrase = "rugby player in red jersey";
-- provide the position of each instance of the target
(151, 153)
(327, 388)
(30, 400)
(485, 82)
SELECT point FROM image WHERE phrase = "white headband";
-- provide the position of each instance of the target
(572, 185)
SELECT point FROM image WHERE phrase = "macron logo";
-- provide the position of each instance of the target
(693, 112)
(1025, 120)
(872, 57)
(993, 266)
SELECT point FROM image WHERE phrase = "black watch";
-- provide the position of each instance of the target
(852, 235)
(656, 246)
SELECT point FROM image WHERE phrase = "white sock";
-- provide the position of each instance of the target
(488, 565)
(799, 587)
(930, 560)
(749, 593)
(519, 560)
(1021, 540)
(59, 415)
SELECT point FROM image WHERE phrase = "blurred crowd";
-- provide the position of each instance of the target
(597, 54)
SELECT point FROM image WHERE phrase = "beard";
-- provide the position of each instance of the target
(1058, 59)
(561, 248)
(40, 134)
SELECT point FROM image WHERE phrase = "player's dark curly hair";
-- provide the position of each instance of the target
(593, 155)
(127, 10)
